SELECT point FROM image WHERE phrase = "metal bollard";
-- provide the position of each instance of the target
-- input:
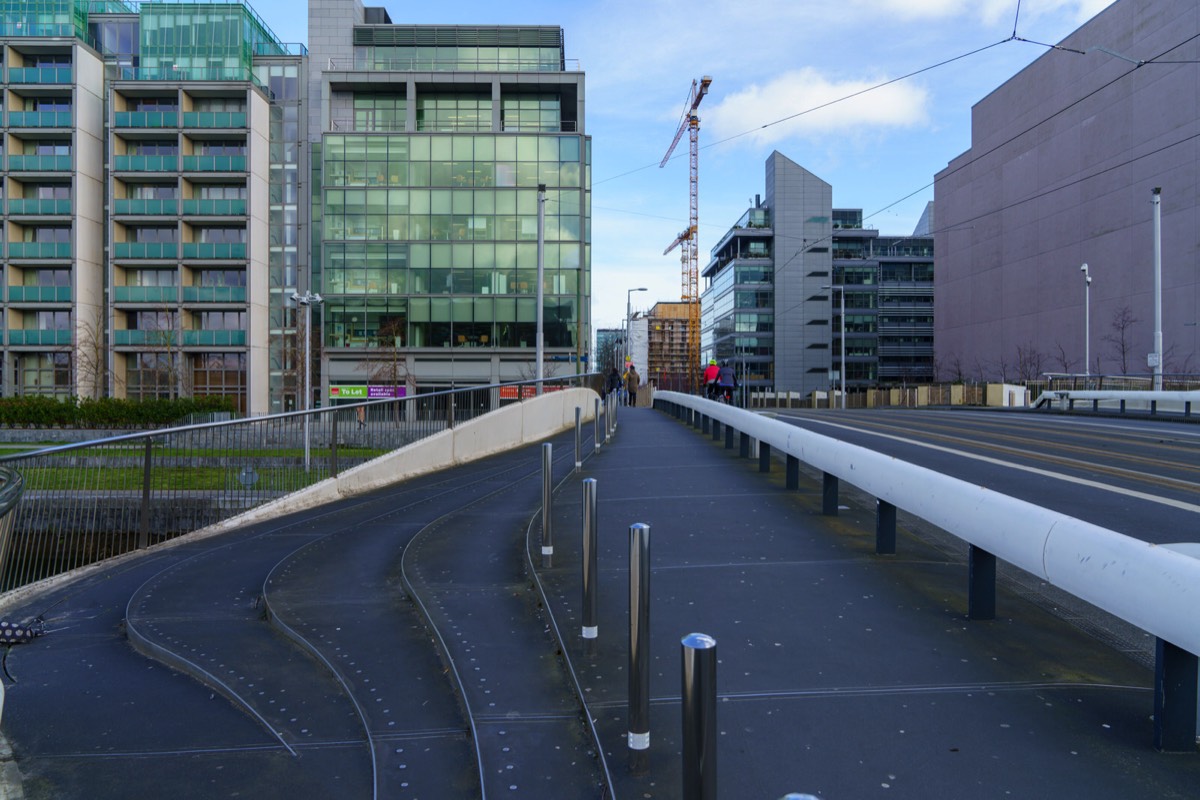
(699, 716)
(596, 427)
(591, 628)
(639, 645)
(578, 438)
(547, 529)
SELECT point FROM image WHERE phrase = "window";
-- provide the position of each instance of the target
(220, 235)
(44, 374)
(152, 148)
(219, 191)
(150, 376)
(232, 148)
(220, 375)
(150, 191)
(152, 235)
(219, 104)
(220, 321)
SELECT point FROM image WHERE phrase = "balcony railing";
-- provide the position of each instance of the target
(145, 294)
(43, 75)
(36, 206)
(39, 119)
(214, 119)
(145, 250)
(214, 163)
(214, 294)
(123, 338)
(234, 207)
(18, 162)
(22, 336)
(39, 294)
(147, 207)
(39, 249)
(214, 338)
(214, 250)
(146, 163)
(146, 119)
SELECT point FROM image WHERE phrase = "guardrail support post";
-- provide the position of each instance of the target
(699, 678)
(697, 420)
(1095, 405)
(885, 528)
(981, 584)
(578, 438)
(450, 411)
(144, 515)
(1175, 698)
(591, 628)
(716, 429)
(764, 457)
(333, 465)
(1122, 406)
(547, 529)
(639, 645)
(829, 494)
(1187, 408)
(705, 424)
(728, 436)
(1153, 407)
(793, 472)
(744, 446)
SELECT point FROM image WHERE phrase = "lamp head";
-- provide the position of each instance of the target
(1084, 269)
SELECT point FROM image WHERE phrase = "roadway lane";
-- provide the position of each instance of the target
(1138, 477)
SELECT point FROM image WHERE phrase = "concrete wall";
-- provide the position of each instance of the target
(1062, 162)
(509, 427)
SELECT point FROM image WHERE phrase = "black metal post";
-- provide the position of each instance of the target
(144, 515)
(591, 627)
(744, 446)
(1175, 698)
(885, 528)
(639, 645)
(333, 445)
(716, 430)
(793, 472)
(547, 526)
(829, 494)
(596, 427)
(981, 584)
(699, 678)
(764, 457)
(729, 437)
(578, 438)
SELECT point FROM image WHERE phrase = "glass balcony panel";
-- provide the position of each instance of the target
(156, 338)
(146, 207)
(39, 294)
(53, 75)
(145, 250)
(38, 163)
(215, 207)
(146, 163)
(145, 294)
(39, 249)
(214, 163)
(36, 337)
(214, 250)
(214, 294)
(39, 206)
(146, 119)
(214, 119)
(214, 338)
(39, 119)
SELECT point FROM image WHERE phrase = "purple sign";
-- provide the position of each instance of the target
(379, 392)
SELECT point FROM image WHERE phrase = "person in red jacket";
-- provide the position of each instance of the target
(710, 379)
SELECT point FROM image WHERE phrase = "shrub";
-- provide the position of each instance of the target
(36, 411)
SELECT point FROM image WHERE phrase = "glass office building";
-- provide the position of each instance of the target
(433, 144)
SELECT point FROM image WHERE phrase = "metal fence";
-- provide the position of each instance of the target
(94, 500)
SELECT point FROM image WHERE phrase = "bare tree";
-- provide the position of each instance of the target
(392, 369)
(1065, 363)
(1029, 362)
(1119, 338)
(91, 359)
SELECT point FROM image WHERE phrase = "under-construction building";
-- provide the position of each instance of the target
(668, 364)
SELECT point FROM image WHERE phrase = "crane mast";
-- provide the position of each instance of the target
(689, 256)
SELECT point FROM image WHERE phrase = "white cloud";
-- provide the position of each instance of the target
(821, 106)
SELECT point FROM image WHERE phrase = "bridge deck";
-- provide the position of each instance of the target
(842, 674)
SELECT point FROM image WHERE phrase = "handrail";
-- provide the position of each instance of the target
(1146, 585)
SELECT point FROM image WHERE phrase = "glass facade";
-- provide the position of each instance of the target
(435, 239)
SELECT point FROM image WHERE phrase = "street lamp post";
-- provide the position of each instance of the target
(1087, 319)
(629, 322)
(842, 366)
(307, 300)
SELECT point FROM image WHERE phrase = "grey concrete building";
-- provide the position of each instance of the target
(1063, 161)
(772, 301)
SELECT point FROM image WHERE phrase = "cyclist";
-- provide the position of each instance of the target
(710, 379)
(727, 382)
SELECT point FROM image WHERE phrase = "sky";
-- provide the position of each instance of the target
(770, 60)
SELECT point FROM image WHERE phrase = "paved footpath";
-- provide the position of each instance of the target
(841, 673)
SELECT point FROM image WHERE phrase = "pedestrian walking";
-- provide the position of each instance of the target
(632, 379)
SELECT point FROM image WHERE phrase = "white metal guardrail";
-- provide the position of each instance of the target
(1176, 401)
(1154, 587)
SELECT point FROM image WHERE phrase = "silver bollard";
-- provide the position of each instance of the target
(591, 628)
(578, 438)
(547, 529)
(596, 427)
(699, 716)
(639, 645)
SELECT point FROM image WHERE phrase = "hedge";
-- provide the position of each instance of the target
(35, 411)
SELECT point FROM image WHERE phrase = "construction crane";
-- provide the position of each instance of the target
(690, 294)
